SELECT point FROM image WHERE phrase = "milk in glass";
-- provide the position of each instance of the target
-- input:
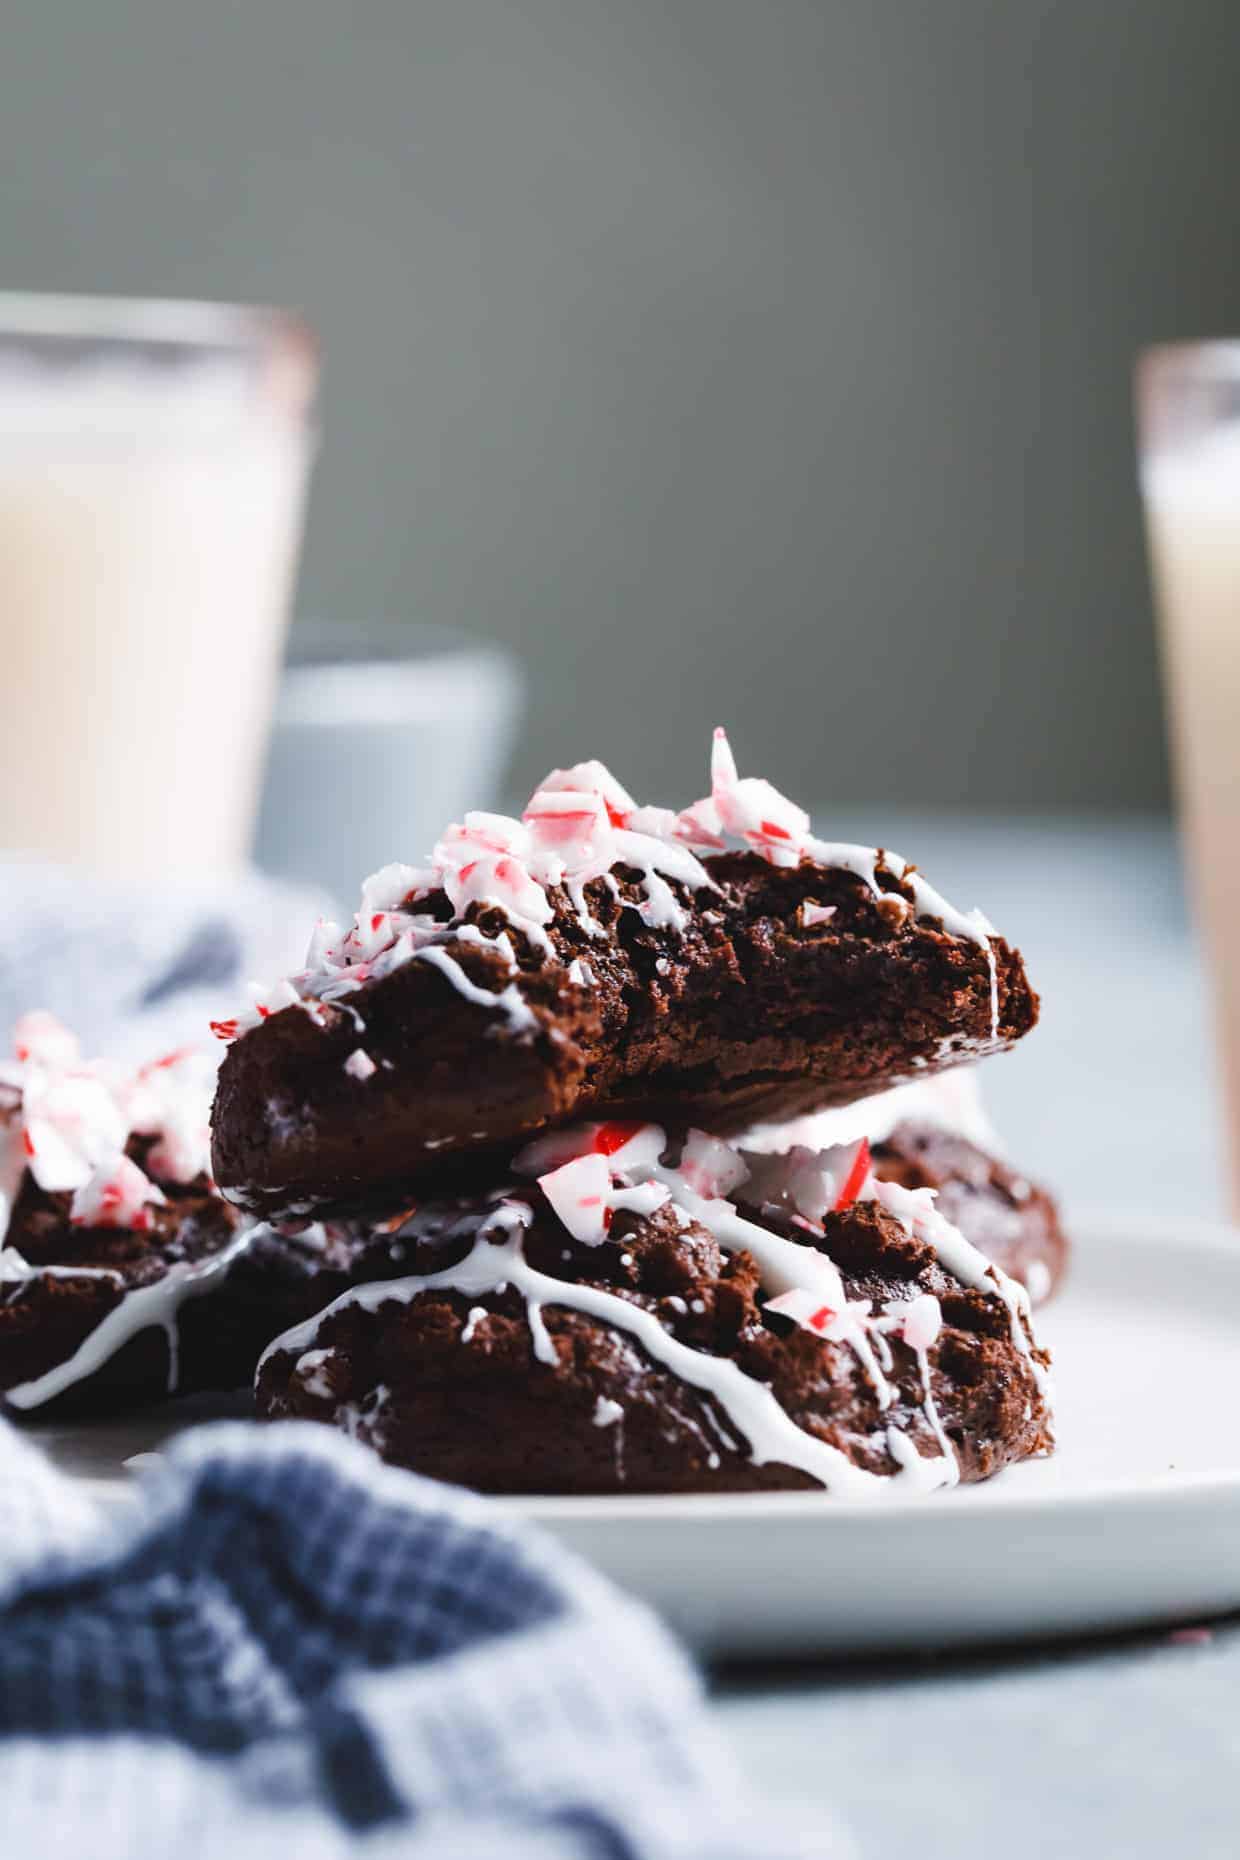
(151, 491)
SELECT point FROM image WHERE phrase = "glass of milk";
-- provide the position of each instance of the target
(1188, 417)
(153, 461)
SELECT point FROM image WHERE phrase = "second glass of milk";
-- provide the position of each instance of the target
(153, 461)
(1188, 414)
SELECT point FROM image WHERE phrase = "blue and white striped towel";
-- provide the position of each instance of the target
(284, 1647)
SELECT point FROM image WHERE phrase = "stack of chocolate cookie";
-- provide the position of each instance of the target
(605, 1108)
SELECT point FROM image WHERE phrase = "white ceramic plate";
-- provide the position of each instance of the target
(1136, 1518)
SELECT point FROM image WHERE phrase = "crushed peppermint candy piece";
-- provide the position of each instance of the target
(359, 1064)
(594, 778)
(812, 914)
(579, 1192)
(610, 1139)
(853, 1177)
(116, 1195)
(710, 1166)
(501, 880)
(753, 810)
(170, 1100)
(71, 1121)
(389, 887)
(800, 1179)
(809, 1310)
(632, 1149)
(39, 1036)
(809, 1182)
(574, 828)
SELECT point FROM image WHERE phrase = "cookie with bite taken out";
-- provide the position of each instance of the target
(595, 960)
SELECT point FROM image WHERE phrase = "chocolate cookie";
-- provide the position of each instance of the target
(935, 1134)
(587, 962)
(91, 1315)
(619, 1325)
(123, 1275)
(1007, 1217)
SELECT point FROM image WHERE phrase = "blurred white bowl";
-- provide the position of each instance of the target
(381, 736)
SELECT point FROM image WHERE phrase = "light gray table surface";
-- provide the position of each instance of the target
(1123, 1748)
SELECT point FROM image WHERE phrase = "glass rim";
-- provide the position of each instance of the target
(81, 317)
(64, 335)
(1214, 358)
(318, 642)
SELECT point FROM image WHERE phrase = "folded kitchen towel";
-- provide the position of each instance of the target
(281, 1646)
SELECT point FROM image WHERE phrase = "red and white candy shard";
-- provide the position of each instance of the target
(387, 889)
(799, 1180)
(326, 936)
(812, 1311)
(575, 828)
(753, 810)
(117, 1194)
(579, 1193)
(632, 1150)
(593, 778)
(710, 1166)
(74, 1119)
(70, 1122)
(40, 1037)
(850, 1167)
(810, 1183)
(169, 1099)
(813, 914)
(922, 1320)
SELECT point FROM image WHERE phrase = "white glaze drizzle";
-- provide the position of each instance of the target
(147, 1307)
(900, 1317)
(309, 1370)
(786, 1265)
(915, 1210)
(509, 1001)
(475, 1317)
(18, 1271)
